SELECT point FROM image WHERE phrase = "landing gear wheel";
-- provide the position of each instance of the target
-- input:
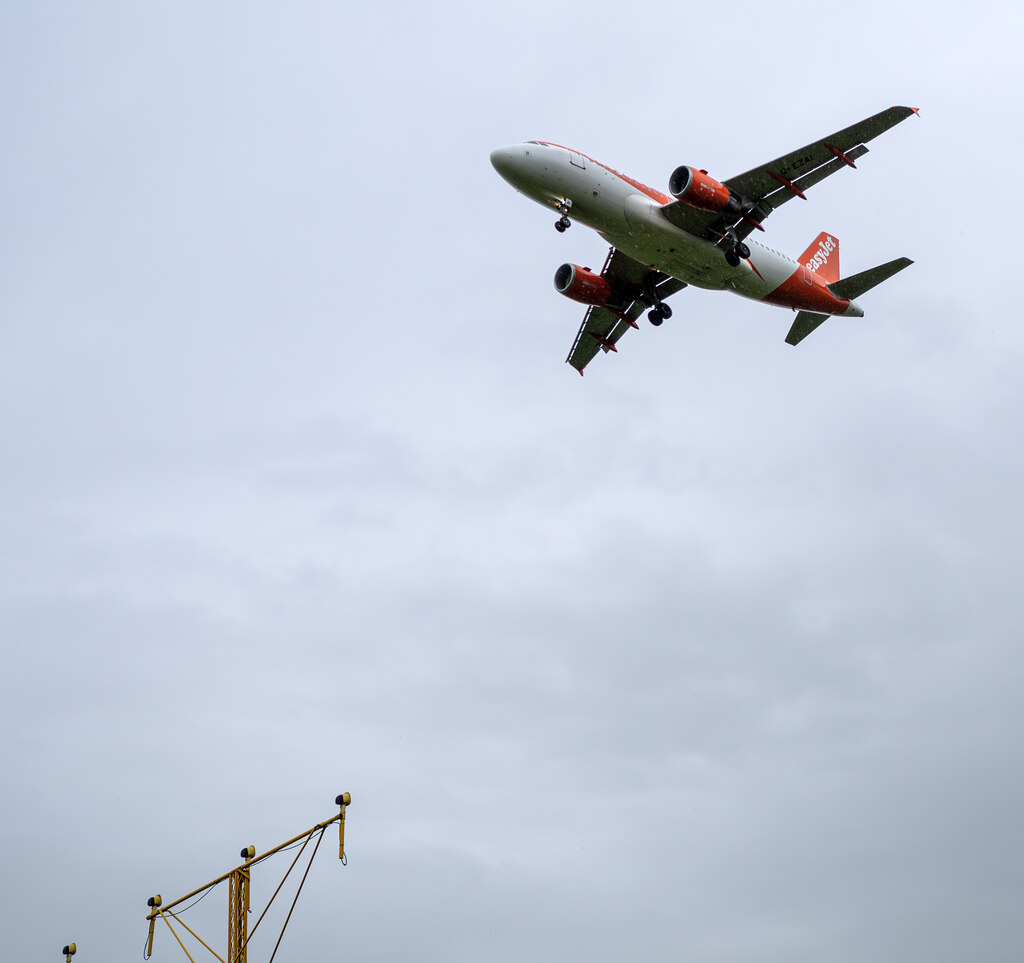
(565, 222)
(666, 311)
(742, 250)
(560, 226)
(732, 257)
(655, 317)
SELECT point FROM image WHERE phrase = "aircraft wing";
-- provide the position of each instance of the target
(765, 188)
(602, 327)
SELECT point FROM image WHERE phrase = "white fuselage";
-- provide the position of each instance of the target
(628, 215)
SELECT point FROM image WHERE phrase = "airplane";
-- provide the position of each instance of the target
(697, 234)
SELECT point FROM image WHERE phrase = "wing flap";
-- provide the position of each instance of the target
(758, 183)
(805, 181)
(602, 327)
(771, 185)
(594, 334)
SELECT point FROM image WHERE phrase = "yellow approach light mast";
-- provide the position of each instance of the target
(239, 879)
(69, 951)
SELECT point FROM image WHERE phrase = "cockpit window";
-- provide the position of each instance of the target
(539, 143)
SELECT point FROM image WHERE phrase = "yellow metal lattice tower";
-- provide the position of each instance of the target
(239, 879)
(238, 907)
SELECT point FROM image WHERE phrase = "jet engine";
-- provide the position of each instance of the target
(583, 285)
(698, 189)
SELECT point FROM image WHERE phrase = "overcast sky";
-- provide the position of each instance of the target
(712, 655)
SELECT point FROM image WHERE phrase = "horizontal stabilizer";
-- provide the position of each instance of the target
(805, 323)
(854, 286)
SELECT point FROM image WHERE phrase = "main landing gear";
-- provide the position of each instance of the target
(736, 254)
(660, 311)
(563, 223)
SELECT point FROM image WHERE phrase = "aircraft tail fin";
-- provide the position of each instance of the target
(822, 257)
(805, 323)
(851, 288)
(855, 285)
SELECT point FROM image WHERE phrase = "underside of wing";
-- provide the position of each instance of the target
(761, 190)
(788, 176)
(636, 287)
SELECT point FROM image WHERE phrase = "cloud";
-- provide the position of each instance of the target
(711, 653)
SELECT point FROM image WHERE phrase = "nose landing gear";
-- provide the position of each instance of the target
(563, 223)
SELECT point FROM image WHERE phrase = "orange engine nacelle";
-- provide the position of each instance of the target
(699, 189)
(583, 285)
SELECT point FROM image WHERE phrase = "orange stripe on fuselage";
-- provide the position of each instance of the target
(653, 194)
(643, 188)
(796, 293)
